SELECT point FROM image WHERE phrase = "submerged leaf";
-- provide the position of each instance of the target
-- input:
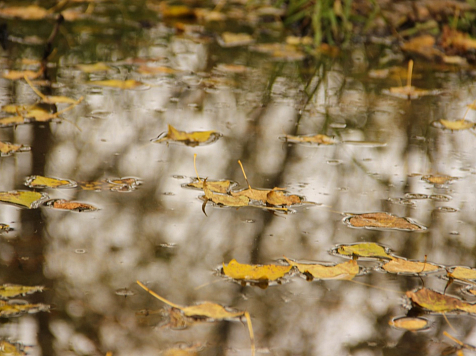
(240, 271)
(7, 149)
(381, 221)
(409, 323)
(342, 271)
(439, 303)
(23, 198)
(362, 250)
(10, 309)
(404, 266)
(40, 182)
(121, 84)
(312, 139)
(63, 204)
(15, 290)
(192, 139)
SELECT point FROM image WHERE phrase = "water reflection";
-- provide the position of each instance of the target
(158, 234)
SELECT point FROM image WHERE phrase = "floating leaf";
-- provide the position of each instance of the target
(53, 99)
(7, 149)
(93, 68)
(342, 271)
(15, 108)
(457, 125)
(15, 290)
(23, 198)
(11, 309)
(462, 273)
(5, 228)
(146, 70)
(240, 271)
(439, 303)
(381, 221)
(362, 250)
(404, 266)
(216, 186)
(229, 39)
(16, 74)
(409, 323)
(311, 139)
(63, 204)
(167, 10)
(210, 311)
(279, 198)
(183, 350)
(192, 139)
(438, 179)
(8, 349)
(223, 199)
(32, 12)
(40, 182)
(121, 84)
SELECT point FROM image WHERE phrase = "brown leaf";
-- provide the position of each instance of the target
(63, 204)
(16, 75)
(382, 221)
(279, 198)
(438, 179)
(424, 46)
(439, 303)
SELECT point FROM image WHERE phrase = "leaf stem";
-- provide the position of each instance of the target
(158, 296)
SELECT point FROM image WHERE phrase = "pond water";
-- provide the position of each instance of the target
(383, 150)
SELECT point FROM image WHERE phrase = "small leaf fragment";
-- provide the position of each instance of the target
(15, 290)
(23, 198)
(17, 75)
(8, 349)
(7, 149)
(370, 250)
(438, 179)
(216, 186)
(31, 12)
(381, 220)
(409, 323)
(240, 271)
(10, 309)
(40, 182)
(230, 39)
(312, 139)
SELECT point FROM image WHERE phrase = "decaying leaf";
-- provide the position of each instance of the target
(229, 39)
(40, 182)
(409, 323)
(370, 250)
(462, 273)
(208, 311)
(382, 221)
(15, 290)
(438, 179)
(310, 139)
(404, 266)
(23, 198)
(246, 272)
(63, 204)
(7, 149)
(10, 309)
(342, 271)
(439, 303)
(456, 125)
(93, 68)
(121, 84)
(31, 12)
(196, 138)
(8, 349)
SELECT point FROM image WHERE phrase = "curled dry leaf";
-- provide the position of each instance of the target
(247, 272)
(310, 139)
(404, 266)
(10, 309)
(439, 303)
(369, 250)
(7, 149)
(342, 271)
(223, 199)
(63, 204)
(23, 198)
(382, 221)
(15, 290)
(192, 139)
(409, 323)
(40, 182)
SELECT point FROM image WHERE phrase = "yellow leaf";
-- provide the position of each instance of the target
(409, 92)
(5, 228)
(463, 273)
(9, 310)
(457, 125)
(438, 179)
(401, 265)
(409, 323)
(93, 68)
(254, 194)
(316, 139)
(342, 271)
(16, 75)
(7, 149)
(32, 12)
(240, 271)
(121, 84)
(63, 204)
(279, 198)
(217, 186)
(14, 290)
(223, 199)
(365, 250)
(439, 303)
(192, 139)
(13, 108)
(382, 221)
(146, 70)
(46, 182)
(8, 349)
(23, 198)
(12, 120)
(175, 10)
